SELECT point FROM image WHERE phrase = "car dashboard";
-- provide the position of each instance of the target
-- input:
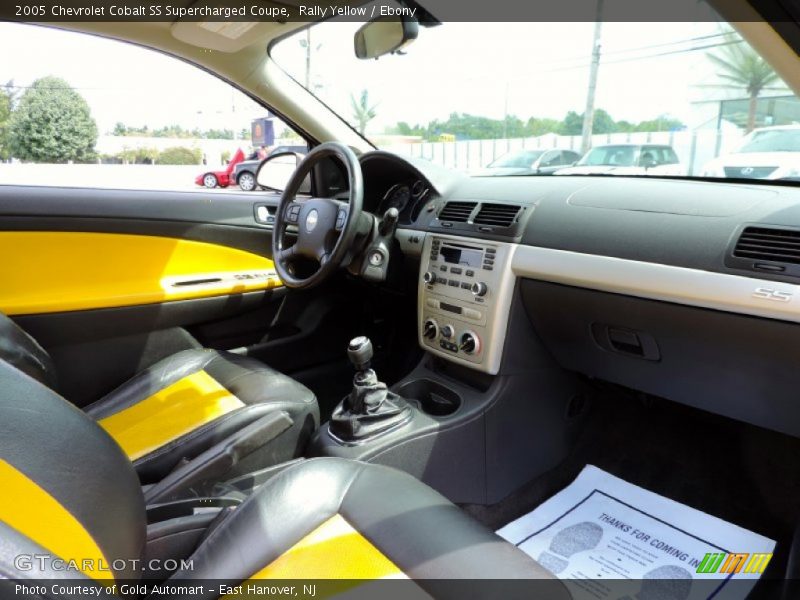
(683, 289)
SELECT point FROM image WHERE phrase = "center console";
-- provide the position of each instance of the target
(465, 291)
(485, 409)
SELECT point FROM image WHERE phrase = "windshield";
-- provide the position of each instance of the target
(516, 160)
(687, 88)
(775, 140)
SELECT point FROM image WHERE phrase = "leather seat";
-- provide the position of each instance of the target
(184, 404)
(69, 492)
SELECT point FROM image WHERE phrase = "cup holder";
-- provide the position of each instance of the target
(430, 397)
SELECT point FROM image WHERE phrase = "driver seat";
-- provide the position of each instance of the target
(184, 404)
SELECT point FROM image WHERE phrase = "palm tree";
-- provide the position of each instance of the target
(741, 67)
(362, 111)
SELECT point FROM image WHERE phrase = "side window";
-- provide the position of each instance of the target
(670, 158)
(649, 157)
(551, 159)
(158, 124)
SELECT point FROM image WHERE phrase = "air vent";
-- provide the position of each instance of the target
(761, 243)
(457, 211)
(497, 215)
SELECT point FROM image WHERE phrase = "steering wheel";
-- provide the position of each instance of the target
(326, 227)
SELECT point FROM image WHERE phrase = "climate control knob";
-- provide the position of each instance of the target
(479, 289)
(469, 343)
(448, 332)
(430, 329)
(429, 277)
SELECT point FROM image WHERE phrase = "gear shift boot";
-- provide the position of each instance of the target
(370, 409)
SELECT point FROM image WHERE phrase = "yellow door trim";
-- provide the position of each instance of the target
(57, 271)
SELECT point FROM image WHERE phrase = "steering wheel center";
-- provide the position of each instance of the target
(311, 220)
(321, 229)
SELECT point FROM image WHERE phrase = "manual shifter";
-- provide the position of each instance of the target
(370, 409)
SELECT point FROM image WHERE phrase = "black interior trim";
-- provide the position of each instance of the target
(229, 208)
(738, 366)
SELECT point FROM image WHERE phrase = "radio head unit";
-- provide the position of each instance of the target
(452, 253)
(465, 291)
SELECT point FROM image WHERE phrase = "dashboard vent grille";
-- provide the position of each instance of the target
(498, 215)
(457, 211)
(761, 243)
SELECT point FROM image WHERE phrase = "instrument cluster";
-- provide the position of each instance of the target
(407, 197)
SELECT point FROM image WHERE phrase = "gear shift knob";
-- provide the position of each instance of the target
(359, 351)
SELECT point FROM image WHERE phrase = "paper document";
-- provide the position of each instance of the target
(610, 539)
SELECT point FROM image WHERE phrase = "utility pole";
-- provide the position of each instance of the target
(588, 113)
(233, 112)
(308, 58)
(505, 114)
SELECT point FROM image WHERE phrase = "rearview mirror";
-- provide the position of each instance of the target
(275, 172)
(384, 36)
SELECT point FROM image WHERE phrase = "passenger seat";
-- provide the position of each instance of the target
(184, 404)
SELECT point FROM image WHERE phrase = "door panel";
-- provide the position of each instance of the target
(58, 271)
(111, 281)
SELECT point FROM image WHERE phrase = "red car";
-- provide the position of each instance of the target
(212, 179)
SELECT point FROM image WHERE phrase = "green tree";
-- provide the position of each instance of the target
(139, 156)
(5, 115)
(537, 127)
(8, 99)
(52, 123)
(742, 68)
(660, 123)
(602, 122)
(403, 128)
(472, 127)
(363, 113)
(626, 126)
(572, 123)
(180, 155)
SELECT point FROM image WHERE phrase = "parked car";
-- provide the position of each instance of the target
(244, 174)
(212, 179)
(627, 159)
(528, 162)
(765, 153)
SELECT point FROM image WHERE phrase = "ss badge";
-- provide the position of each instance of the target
(772, 294)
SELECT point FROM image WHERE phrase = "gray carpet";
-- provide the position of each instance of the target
(740, 473)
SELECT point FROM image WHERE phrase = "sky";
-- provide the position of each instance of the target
(524, 69)
(489, 69)
(122, 82)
